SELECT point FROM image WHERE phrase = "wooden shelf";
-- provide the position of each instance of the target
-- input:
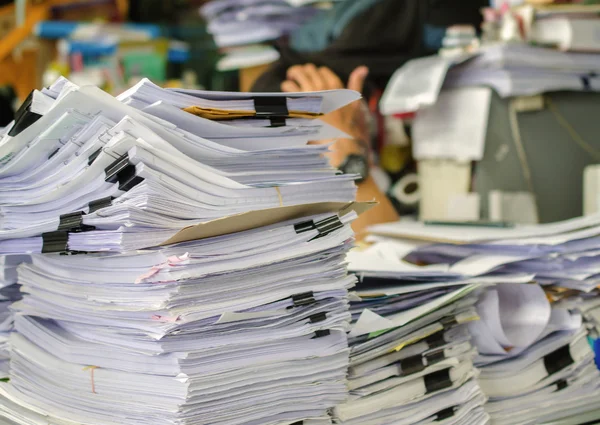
(34, 15)
(24, 71)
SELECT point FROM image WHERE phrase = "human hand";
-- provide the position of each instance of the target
(306, 78)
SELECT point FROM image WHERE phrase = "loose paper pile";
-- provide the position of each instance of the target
(537, 365)
(511, 70)
(205, 280)
(411, 358)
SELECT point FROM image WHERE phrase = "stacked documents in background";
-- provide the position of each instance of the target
(236, 22)
(133, 177)
(536, 362)
(207, 280)
(244, 30)
(411, 359)
(509, 69)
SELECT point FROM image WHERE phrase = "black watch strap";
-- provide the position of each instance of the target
(356, 164)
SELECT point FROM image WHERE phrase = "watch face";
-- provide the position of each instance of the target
(356, 164)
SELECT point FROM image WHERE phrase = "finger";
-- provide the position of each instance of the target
(298, 74)
(290, 87)
(312, 73)
(357, 78)
(332, 81)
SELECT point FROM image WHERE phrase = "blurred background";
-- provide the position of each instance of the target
(476, 110)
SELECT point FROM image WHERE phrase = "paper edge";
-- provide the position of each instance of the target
(260, 218)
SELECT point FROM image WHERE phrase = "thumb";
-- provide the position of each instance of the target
(357, 78)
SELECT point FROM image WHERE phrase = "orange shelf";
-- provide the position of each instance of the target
(24, 71)
(34, 15)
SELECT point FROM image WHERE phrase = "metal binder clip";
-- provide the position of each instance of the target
(277, 122)
(445, 414)
(436, 340)
(99, 204)
(93, 156)
(324, 227)
(123, 172)
(449, 321)
(303, 299)
(321, 333)
(558, 360)
(24, 117)
(55, 242)
(73, 223)
(412, 365)
(435, 357)
(561, 384)
(271, 106)
(438, 381)
(319, 317)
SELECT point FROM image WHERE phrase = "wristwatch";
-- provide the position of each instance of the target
(356, 164)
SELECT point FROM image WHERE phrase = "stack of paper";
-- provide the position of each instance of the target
(535, 359)
(243, 328)
(243, 22)
(131, 178)
(536, 362)
(9, 293)
(411, 359)
(509, 69)
(206, 279)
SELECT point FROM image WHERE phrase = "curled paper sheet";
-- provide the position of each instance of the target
(513, 316)
(370, 322)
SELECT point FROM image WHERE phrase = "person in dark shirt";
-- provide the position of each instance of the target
(383, 38)
(375, 43)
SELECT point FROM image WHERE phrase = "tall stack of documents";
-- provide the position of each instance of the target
(131, 178)
(248, 327)
(205, 280)
(537, 365)
(411, 358)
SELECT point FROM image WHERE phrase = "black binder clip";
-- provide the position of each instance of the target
(99, 204)
(438, 381)
(324, 227)
(54, 242)
(412, 365)
(73, 223)
(445, 414)
(449, 321)
(561, 384)
(329, 225)
(585, 81)
(303, 299)
(436, 340)
(123, 172)
(277, 122)
(319, 317)
(435, 357)
(24, 117)
(321, 333)
(558, 360)
(271, 107)
(93, 156)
